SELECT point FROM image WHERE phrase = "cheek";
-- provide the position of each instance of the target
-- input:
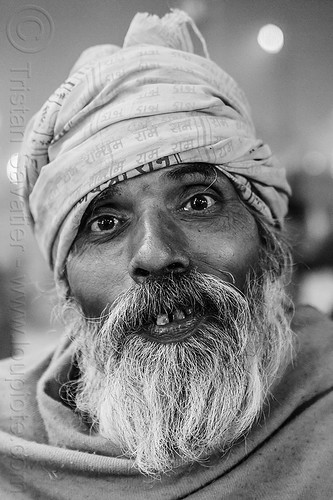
(243, 256)
(229, 247)
(93, 282)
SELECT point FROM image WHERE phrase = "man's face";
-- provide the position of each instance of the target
(169, 221)
(181, 330)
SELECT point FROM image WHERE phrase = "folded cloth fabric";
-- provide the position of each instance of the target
(47, 452)
(128, 111)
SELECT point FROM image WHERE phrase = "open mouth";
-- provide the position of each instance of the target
(176, 316)
(176, 326)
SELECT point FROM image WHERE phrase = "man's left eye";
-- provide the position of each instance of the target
(104, 223)
(199, 203)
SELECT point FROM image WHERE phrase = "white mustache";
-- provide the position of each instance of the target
(194, 291)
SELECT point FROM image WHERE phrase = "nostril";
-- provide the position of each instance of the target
(153, 259)
(139, 272)
(176, 267)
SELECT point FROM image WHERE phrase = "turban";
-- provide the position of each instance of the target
(127, 111)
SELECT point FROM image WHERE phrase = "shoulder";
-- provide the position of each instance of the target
(18, 386)
(314, 339)
(310, 375)
(309, 317)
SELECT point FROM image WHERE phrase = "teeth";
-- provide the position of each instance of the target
(162, 319)
(177, 314)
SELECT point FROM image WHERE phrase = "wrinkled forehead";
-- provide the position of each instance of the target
(175, 174)
(164, 180)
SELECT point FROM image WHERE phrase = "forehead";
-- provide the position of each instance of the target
(164, 179)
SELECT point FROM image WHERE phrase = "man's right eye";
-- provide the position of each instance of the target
(104, 224)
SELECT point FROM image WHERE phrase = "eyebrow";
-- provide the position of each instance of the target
(205, 170)
(109, 192)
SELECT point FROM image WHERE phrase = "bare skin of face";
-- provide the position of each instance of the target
(168, 221)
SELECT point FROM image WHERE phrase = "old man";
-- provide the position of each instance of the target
(183, 371)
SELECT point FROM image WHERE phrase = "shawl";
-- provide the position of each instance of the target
(47, 452)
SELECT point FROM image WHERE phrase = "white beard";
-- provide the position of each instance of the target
(170, 404)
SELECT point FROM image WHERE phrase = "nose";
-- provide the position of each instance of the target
(158, 248)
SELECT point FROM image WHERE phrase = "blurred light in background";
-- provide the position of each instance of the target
(197, 9)
(270, 38)
(317, 290)
(12, 168)
(314, 162)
